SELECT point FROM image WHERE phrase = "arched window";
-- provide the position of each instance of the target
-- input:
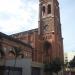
(49, 9)
(43, 10)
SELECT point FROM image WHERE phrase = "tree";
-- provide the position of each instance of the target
(48, 68)
(72, 63)
(54, 66)
(57, 65)
(16, 52)
(66, 65)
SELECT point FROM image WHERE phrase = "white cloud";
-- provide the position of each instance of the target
(17, 15)
(10, 6)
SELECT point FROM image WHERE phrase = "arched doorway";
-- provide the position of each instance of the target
(47, 48)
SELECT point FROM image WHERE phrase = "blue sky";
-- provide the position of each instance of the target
(21, 15)
(67, 10)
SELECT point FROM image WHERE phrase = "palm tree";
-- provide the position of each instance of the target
(16, 52)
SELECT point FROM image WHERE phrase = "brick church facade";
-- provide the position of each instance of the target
(48, 33)
(44, 43)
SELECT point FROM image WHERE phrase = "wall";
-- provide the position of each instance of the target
(24, 63)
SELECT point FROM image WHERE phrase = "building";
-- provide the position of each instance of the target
(68, 56)
(48, 32)
(8, 44)
(45, 42)
(14, 55)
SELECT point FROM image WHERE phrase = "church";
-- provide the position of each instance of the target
(48, 33)
(42, 44)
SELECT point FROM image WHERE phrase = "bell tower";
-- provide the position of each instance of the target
(50, 27)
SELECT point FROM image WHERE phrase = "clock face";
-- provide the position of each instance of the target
(45, 28)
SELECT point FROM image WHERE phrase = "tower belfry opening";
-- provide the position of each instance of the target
(49, 9)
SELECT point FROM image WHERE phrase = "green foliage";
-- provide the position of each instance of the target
(16, 51)
(72, 63)
(66, 65)
(12, 52)
(57, 65)
(48, 67)
(54, 66)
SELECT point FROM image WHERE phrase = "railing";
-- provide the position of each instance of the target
(8, 70)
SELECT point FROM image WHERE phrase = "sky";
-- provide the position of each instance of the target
(22, 15)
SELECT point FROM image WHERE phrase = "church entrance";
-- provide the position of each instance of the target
(47, 48)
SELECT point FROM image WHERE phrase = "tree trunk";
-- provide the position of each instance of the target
(57, 73)
(14, 64)
(51, 73)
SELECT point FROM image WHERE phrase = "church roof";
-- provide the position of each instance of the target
(26, 32)
(2, 35)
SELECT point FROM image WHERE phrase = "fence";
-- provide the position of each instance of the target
(69, 73)
(8, 70)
